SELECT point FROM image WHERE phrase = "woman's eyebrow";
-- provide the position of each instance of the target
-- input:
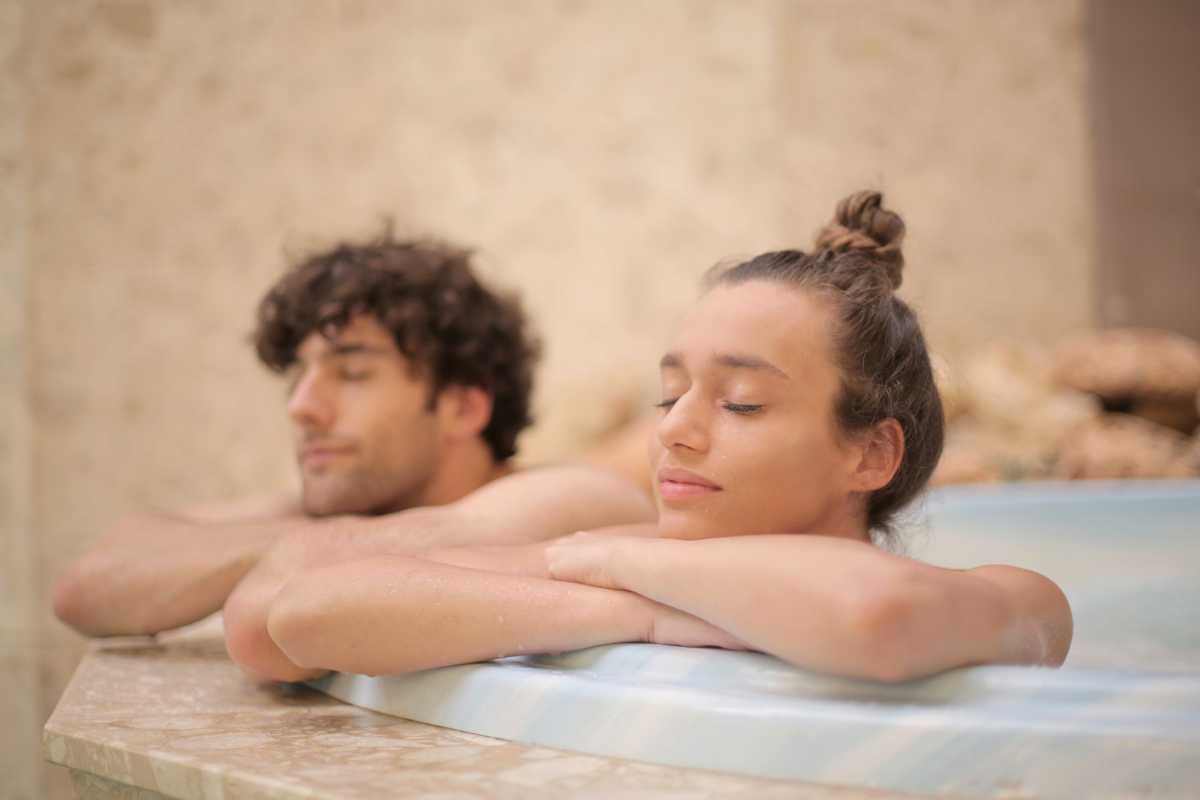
(729, 361)
(742, 361)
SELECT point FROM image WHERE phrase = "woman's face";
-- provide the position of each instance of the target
(747, 442)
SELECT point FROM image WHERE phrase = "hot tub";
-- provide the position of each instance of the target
(1122, 717)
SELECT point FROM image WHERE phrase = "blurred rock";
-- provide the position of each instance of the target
(978, 453)
(954, 402)
(1125, 446)
(1125, 364)
(1011, 388)
(1178, 413)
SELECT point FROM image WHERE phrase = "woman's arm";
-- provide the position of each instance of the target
(836, 605)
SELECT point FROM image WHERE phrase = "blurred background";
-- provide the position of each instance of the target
(160, 162)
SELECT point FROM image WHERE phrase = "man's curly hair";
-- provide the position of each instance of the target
(446, 323)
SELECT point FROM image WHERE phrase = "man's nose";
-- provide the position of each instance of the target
(311, 404)
(685, 425)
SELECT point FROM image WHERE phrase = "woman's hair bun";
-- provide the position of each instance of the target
(862, 225)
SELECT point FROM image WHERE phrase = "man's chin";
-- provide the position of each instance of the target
(329, 504)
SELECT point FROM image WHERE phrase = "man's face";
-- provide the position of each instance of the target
(366, 440)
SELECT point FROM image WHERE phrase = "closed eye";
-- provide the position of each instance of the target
(666, 403)
(743, 408)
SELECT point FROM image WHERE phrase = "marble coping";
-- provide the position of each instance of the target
(173, 717)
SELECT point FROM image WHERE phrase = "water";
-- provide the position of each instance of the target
(1127, 555)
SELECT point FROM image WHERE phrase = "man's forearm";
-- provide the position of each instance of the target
(392, 615)
(315, 544)
(524, 508)
(154, 572)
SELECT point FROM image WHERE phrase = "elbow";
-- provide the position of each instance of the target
(317, 635)
(77, 597)
(294, 625)
(68, 598)
(249, 644)
(1041, 635)
(1059, 627)
(881, 624)
(319, 630)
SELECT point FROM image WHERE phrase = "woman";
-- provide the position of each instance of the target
(799, 414)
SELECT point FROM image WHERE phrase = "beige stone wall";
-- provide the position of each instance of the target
(600, 154)
(20, 776)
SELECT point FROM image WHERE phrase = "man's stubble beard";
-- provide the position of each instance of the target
(363, 490)
(355, 492)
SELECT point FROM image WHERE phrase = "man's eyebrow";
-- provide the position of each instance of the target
(355, 348)
(742, 361)
(339, 349)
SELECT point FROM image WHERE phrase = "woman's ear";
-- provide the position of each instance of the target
(463, 411)
(882, 452)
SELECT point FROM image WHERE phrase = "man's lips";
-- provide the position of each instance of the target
(680, 484)
(319, 454)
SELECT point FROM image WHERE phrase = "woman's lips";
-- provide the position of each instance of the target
(679, 485)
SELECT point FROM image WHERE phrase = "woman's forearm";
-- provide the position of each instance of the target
(822, 603)
(393, 614)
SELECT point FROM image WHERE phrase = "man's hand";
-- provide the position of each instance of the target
(672, 626)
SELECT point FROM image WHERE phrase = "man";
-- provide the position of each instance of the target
(410, 382)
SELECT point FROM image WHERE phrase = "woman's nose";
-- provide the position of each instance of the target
(684, 425)
(310, 405)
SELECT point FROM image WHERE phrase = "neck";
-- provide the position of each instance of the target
(845, 521)
(463, 468)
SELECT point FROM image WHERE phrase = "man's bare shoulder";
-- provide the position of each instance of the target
(242, 509)
(537, 482)
(558, 499)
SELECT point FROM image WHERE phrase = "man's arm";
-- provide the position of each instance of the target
(523, 508)
(391, 615)
(534, 505)
(158, 570)
(836, 605)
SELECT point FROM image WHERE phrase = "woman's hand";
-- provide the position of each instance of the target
(595, 559)
(586, 558)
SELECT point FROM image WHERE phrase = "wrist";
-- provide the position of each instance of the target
(623, 560)
(640, 615)
(637, 564)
